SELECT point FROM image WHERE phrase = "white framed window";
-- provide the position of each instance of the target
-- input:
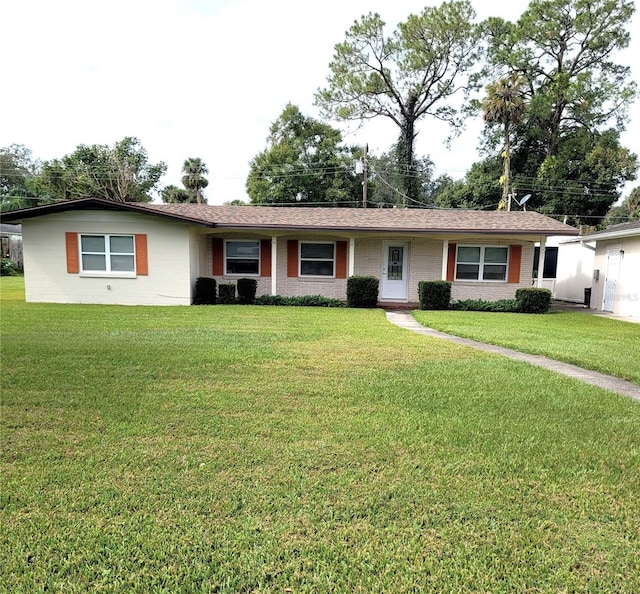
(113, 254)
(317, 258)
(482, 262)
(242, 257)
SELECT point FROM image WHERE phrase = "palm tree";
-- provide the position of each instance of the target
(194, 170)
(505, 104)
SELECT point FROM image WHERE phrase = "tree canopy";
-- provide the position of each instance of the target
(18, 170)
(566, 141)
(121, 173)
(303, 163)
(172, 194)
(627, 211)
(413, 73)
(504, 105)
(194, 170)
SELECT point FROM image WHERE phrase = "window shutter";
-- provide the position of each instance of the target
(265, 257)
(341, 259)
(292, 258)
(515, 262)
(142, 259)
(73, 257)
(451, 262)
(217, 249)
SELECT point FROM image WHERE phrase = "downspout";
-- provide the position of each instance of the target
(589, 247)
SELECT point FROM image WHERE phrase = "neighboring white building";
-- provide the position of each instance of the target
(574, 272)
(616, 272)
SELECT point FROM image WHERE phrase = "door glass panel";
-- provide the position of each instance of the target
(394, 265)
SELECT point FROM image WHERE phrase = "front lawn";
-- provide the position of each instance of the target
(266, 449)
(597, 343)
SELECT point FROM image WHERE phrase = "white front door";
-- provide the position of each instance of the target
(395, 273)
(610, 281)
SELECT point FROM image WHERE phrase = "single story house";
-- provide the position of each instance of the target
(615, 285)
(98, 251)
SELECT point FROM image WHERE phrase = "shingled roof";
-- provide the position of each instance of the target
(405, 220)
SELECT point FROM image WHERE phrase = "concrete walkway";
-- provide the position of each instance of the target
(404, 319)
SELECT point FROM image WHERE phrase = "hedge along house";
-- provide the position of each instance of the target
(97, 251)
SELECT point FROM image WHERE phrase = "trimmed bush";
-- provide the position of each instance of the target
(302, 301)
(226, 293)
(434, 294)
(205, 291)
(532, 300)
(247, 288)
(501, 305)
(362, 291)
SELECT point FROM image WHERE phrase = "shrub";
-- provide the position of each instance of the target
(501, 305)
(226, 293)
(532, 300)
(205, 291)
(303, 301)
(362, 291)
(8, 267)
(247, 288)
(434, 294)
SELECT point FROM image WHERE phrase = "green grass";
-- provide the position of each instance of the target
(601, 344)
(255, 449)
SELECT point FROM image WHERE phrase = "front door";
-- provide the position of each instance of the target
(611, 280)
(394, 271)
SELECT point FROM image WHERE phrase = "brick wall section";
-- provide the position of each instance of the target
(425, 263)
(492, 291)
(299, 286)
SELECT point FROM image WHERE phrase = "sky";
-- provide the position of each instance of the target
(202, 78)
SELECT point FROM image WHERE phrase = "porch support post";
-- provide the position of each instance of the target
(445, 258)
(274, 265)
(352, 256)
(543, 243)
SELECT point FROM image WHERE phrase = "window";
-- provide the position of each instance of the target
(243, 257)
(107, 253)
(485, 263)
(550, 261)
(317, 259)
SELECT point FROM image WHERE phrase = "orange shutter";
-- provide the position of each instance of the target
(142, 258)
(73, 257)
(341, 259)
(451, 262)
(265, 257)
(292, 258)
(515, 262)
(217, 247)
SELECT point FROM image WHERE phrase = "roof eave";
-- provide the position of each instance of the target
(612, 235)
(417, 230)
(97, 204)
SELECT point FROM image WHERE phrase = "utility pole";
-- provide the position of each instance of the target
(364, 176)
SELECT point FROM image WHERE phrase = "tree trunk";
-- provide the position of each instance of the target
(406, 157)
(506, 172)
